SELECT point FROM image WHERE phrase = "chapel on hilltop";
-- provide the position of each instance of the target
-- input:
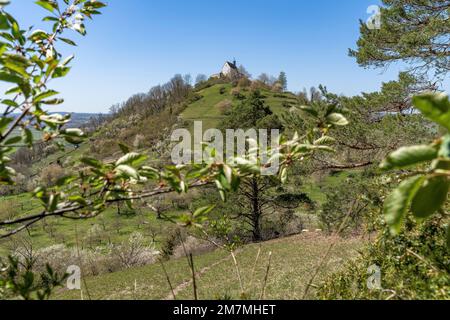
(229, 70)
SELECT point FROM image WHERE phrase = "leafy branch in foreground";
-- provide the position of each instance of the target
(29, 61)
(17, 279)
(425, 190)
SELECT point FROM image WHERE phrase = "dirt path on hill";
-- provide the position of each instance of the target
(198, 274)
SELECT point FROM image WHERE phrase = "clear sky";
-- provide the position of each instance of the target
(137, 44)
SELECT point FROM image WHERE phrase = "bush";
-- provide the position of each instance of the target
(258, 85)
(244, 83)
(134, 252)
(51, 174)
(9, 209)
(96, 261)
(282, 224)
(194, 97)
(236, 93)
(277, 87)
(224, 106)
(414, 266)
(169, 243)
(139, 141)
(341, 201)
(192, 246)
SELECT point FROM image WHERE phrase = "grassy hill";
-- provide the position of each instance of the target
(294, 260)
(208, 111)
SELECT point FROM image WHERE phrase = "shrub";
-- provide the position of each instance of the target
(258, 85)
(96, 261)
(282, 224)
(236, 93)
(224, 106)
(277, 87)
(139, 141)
(244, 83)
(169, 244)
(194, 97)
(8, 210)
(413, 266)
(51, 174)
(193, 246)
(134, 252)
(286, 105)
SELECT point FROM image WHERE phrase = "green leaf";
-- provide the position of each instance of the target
(47, 5)
(13, 140)
(44, 95)
(337, 119)
(435, 107)
(27, 136)
(4, 24)
(203, 211)
(399, 201)
(60, 72)
(284, 175)
(91, 162)
(8, 77)
(325, 140)
(131, 159)
(430, 197)
(310, 110)
(68, 41)
(4, 122)
(409, 156)
(127, 171)
(79, 200)
(73, 132)
(124, 148)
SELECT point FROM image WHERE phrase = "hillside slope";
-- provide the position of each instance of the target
(207, 108)
(294, 260)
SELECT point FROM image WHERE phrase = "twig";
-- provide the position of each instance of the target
(255, 265)
(190, 260)
(194, 282)
(238, 271)
(263, 292)
(168, 279)
(81, 263)
(409, 251)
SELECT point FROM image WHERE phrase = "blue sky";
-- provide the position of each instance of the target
(137, 44)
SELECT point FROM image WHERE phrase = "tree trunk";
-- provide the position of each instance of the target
(256, 211)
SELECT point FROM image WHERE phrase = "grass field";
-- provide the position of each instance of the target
(114, 228)
(207, 111)
(293, 262)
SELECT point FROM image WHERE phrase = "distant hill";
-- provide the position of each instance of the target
(210, 105)
(78, 119)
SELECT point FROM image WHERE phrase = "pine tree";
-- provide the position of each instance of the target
(282, 80)
(413, 31)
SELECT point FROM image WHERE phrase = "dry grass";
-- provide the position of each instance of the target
(293, 261)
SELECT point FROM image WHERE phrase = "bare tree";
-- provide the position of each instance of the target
(200, 78)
